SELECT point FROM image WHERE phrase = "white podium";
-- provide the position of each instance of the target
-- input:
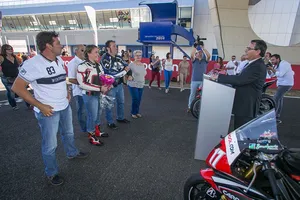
(214, 117)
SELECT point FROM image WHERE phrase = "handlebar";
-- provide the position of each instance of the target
(270, 174)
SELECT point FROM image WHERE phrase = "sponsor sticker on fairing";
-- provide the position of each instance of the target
(232, 147)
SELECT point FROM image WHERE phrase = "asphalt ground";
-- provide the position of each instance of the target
(150, 158)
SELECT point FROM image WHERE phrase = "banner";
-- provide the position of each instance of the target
(146, 61)
(92, 17)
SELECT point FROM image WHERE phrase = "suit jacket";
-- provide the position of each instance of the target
(248, 85)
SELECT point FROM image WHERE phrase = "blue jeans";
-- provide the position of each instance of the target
(168, 76)
(118, 93)
(278, 98)
(194, 86)
(136, 95)
(92, 104)
(11, 100)
(81, 116)
(62, 121)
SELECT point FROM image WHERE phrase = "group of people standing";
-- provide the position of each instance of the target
(156, 65)
(84, 72)
(46, 74)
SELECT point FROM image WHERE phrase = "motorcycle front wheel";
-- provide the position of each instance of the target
(195, 107)
(196, 188)
(267, 103)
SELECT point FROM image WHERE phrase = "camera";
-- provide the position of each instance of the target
(199, 41)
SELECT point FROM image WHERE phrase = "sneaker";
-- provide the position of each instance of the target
(167, 90)
(125, 121)
(19, 100)
(56, 180)
(134, 116)
(188, 110)
(139, 115)
(102, 134)
(159, 88)
(278, 121)
(149, 87)
(94, 140)
(181, 90)
(15, 108)
(98, 132)
(79, 155)
(112, 126)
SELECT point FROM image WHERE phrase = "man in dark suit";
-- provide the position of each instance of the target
(248, 84)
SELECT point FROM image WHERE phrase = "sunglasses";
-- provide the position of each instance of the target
(9, 48)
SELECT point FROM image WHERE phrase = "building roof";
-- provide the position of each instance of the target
(77, 6)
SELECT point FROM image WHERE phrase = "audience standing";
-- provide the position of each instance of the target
(76, 90)
(184, 71)
(168, 70)
(113, 65)
(136, 83)
(155, 65)
(88, 77)
(47, 76)
(199, 66)
(285, 81)
(9, 66)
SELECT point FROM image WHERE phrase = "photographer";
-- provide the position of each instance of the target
(199, 65)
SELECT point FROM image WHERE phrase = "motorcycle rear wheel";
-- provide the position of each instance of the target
(195, 107)
(267, 103)
(196, 187)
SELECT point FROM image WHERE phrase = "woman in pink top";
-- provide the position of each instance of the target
(219, 66)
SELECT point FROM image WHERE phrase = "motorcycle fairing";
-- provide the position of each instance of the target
(232, 194)
(239, 189)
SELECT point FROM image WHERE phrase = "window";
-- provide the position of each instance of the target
(105, 19)
(185, 17)
(52, 22)
(215, 55)
(72, 21)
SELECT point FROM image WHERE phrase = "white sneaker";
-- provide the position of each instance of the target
(19, 100)
(167, 90)
(149, 87)
(181, 90)
(15, 108)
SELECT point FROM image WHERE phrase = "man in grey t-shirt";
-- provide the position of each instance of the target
(199, 65)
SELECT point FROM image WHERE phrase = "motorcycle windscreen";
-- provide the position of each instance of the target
(214, 116)
(259, 134)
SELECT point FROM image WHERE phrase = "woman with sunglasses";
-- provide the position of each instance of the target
(136, 83)
(9, 66)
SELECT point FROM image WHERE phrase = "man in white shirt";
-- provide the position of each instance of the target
(242, 64)
(231, 66)
(46, 74)
(77, 92)
(285, 80)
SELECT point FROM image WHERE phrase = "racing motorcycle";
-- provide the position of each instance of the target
(267, 102)
(249, 163)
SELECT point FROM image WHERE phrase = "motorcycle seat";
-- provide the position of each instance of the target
(292, 159)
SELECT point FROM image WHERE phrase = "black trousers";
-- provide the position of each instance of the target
(241, 120)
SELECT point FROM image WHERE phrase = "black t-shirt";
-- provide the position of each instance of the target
(10, 69)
